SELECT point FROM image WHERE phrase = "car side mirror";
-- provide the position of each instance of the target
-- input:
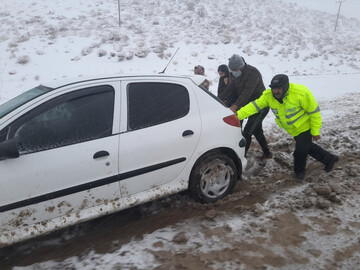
(8, 150)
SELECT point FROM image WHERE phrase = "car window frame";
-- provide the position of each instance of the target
(129, 129)
(22, 99)
(51, 103)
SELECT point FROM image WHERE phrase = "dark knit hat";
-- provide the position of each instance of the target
(280, 80)
(236, 62)
(224, 68)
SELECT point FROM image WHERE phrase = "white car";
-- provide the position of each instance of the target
(76, 150)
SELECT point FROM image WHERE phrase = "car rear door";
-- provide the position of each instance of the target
(68, 160)
(160, 130)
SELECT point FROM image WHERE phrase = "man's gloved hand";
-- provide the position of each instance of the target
(316, 138)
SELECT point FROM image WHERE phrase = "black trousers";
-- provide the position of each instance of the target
(304, 147)
(254, 127)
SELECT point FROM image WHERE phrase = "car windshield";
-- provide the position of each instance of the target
(21, 99)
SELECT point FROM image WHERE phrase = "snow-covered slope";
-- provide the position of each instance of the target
(47, 40)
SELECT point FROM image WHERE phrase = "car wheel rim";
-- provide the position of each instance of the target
(215, 179)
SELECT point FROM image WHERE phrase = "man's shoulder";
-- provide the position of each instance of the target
(252, 68)
(267, 94)
(252, 72)
(299, 89)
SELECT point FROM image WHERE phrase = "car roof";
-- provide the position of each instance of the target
(197, 79)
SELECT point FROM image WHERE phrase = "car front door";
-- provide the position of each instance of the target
(162, 131)
(68, 157)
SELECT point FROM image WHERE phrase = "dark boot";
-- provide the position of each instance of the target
(299, 175)
(330, 164)
(266, 155)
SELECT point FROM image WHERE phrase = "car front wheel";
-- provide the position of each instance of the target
(213, 177)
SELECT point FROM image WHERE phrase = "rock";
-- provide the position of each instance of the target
(211, 214)
(332, 197)
(310, 191)
(307, 203)
(262, 229)
(102, 53)
(314, 252)
(258, 209)
(219, 203)
(124, 253)
(354, 128)
(272, 205)
(247, 230)
(180, 238)
(158, 244)
(298, 203)
(163, 255)
(323, 204)
(348, 185)
(228, 229)
(352, 172)
(116, 244)
(336, 188)
(322, 189)
(253, 224)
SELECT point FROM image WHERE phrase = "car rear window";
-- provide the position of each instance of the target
(152, 103)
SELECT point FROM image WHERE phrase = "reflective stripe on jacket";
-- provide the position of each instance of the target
(298, 113)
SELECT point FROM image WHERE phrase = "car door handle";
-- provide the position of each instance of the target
(187, 133)
(101, 154)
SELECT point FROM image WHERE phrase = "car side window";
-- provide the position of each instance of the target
(75, 117)
(151, 104)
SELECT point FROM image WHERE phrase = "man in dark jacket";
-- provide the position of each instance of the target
(224, 74)
(246, 85)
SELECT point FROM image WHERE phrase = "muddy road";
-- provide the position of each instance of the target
(252, 199)
(107, 233)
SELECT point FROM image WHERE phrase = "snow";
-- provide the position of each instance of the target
(349, 8)
(65, 40)
(43, 41)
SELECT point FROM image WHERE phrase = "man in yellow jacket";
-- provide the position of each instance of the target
(296, 111)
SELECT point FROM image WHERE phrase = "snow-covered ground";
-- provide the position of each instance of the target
(348, 8)
(271, 221)
(42, 41)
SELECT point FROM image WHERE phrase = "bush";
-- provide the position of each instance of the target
(23, 38)
(23, 60)
(101, 53)
(86, 51)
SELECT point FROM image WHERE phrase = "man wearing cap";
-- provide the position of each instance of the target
(296, 111)
(246, 85)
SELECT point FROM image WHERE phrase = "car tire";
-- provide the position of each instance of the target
(213, 177)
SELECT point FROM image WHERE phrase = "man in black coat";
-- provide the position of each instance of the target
(246, 85)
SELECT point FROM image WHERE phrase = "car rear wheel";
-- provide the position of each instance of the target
(213, 177)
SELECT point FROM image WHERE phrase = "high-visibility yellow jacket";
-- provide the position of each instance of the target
(298, 113)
